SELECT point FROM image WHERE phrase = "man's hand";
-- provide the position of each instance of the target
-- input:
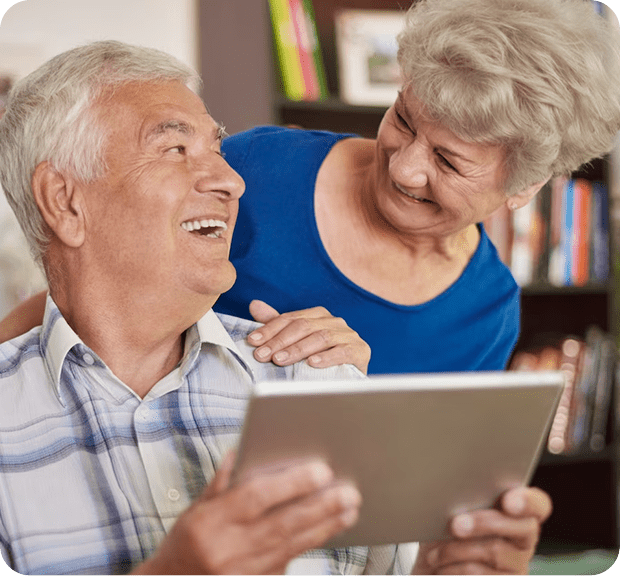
(259, 525)
(312, 333)
(500, 541)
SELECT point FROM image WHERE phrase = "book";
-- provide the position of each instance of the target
(567, 232)
(571, 350)
(580, 255)
(304, 50)
(607, 367)
(285, 41)
(313, 47)
(589, 364)
(522, 257)
(561, 237)
(556, 264)
(599, 245)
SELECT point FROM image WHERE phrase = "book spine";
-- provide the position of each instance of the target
(304, 53)
(557, 441)
(600, 233)
(556, 255)
(286, 48)
(581, 232)
(315, 49)
(521, 259)
(498, 226)
(608, 365)
(567, 232)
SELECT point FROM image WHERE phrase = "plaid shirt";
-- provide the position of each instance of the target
(92, 477)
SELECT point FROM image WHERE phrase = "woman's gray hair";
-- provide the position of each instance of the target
(539, 77)
(50, 117)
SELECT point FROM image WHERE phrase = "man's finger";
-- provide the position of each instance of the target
(263, 491)
(221, 481)
(522, 502)
(523, 532)
(495, 553)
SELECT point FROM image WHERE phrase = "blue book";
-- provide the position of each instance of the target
(599, 245)
(567, 232)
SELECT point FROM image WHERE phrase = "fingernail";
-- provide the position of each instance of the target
(463, 524)
(281, 356)
(263, 352)
(316, 359)
(349, 517)
(321, 473)
(255, 336)
(350, 497)
(514, 503)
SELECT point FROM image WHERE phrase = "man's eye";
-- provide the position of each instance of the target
(177, 149)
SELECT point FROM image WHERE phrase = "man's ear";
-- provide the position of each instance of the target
(60, 202)
(520, 199)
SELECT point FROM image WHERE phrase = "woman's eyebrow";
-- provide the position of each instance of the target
(450, 152)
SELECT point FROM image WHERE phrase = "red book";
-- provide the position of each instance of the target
(305, 50)
(581, 232)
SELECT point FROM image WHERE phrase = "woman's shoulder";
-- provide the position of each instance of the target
(284, 134)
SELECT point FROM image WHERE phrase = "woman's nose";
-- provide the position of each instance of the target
(410, 166)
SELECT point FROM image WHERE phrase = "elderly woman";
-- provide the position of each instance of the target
(498, 97)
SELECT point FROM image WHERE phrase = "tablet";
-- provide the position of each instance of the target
(420, 448)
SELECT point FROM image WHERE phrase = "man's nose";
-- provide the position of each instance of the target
(218, 176)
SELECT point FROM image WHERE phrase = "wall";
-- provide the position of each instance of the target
(31, 32)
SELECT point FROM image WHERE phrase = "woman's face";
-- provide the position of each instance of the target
(429, 181)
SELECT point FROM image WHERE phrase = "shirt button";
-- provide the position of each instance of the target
(88, 358)
(173, 494)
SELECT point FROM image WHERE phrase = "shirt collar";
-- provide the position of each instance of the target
(58, 338)
(210, 330)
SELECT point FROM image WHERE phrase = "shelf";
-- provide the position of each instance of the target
(331, 104)
(544, 289)
(582, 457)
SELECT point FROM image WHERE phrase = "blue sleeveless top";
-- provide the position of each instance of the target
(280, 259)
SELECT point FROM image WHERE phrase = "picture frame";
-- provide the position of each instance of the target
(366, 46)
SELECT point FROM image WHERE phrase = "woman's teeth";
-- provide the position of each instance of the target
(409, 195)
(209, 228)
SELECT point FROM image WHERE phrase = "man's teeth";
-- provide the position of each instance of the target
(218, 227)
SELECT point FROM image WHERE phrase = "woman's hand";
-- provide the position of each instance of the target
(491, 541)
(312, 333)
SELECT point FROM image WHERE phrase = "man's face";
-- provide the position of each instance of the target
(163, 215)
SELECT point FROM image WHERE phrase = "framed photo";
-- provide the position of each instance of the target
(366, 44)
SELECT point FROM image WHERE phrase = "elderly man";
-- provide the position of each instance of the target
(116, 415)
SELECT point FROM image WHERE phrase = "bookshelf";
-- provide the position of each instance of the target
(584, 486)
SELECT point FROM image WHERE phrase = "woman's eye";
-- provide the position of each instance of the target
(446, 163)
(400, 119)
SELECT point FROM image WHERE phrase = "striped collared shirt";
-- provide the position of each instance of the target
(92, 476)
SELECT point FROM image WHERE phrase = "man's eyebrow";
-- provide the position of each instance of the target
(162, 128)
